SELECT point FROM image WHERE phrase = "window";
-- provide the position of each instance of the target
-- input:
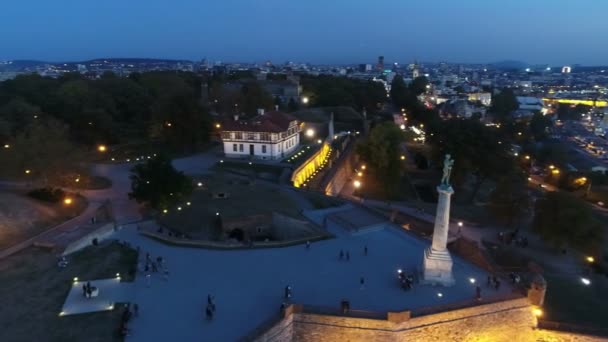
(239, 135)
(250, 136)
(234, 148)
(263, 148)
(240, 147)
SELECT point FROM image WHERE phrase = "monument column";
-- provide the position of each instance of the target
(438, 263)
(442, 218)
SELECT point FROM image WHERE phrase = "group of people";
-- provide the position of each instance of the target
(127, 314)
(153, 266)
(493, 281)
(512, 237)
(406, 280)
(210, 309)
(88, 289)
(345, 255)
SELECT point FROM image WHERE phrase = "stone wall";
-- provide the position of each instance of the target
(288, 228)
(100, 233)
(509, 321)
(342, 171)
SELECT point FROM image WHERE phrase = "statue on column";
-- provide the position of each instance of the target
(448, 163)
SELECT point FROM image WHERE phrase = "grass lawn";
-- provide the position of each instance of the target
(22, 217)
(33, 290)
(253, 169)
(243, 199)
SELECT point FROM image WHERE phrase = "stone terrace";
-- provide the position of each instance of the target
(248, 284)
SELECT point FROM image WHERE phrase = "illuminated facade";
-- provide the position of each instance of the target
(311, 166)
(269, 136)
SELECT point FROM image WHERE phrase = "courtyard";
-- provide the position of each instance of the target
(248, 285)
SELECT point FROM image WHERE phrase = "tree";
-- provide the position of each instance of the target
(539, 126)
(292, 105)
(563, 220)
(158, 184)
(42, 151)
(503, 104)
(253, 97)
(477, 150)
(510, 201)
(418, 85)
(382, 150)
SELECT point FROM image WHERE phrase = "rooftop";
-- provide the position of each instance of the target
(273, 122)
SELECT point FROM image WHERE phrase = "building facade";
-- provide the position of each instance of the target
(268, 136)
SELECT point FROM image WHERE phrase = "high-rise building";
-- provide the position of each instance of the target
(380, 65)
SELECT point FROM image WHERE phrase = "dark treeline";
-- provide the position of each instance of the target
(162, 106)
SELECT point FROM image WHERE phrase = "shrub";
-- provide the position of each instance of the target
(52, 195)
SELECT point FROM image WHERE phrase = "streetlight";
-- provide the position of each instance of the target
(217, 125)
(359, 174)
(363, 167)
(402, 157)
(537, 312)
(357, 184)
(590, 259)
(459, 223)
(305, 100)
(67, 201)
(28, 171)
(555, 171)
(310, 132)
(585, 281)
(101, 148)
(7, 146)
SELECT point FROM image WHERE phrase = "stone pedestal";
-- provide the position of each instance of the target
(437, 266)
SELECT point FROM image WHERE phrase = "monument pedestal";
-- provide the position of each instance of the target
(437, 265)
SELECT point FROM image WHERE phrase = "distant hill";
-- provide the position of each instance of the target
(510, 65)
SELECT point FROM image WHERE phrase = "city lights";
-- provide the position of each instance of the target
(101, 148)
(590, 259)
(67, 201)
(585, 281)
(357, 184)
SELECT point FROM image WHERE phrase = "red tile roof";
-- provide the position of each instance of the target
(274, 122)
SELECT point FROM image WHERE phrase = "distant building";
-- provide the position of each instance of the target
(530, 103)
(270, 136)
(484, 98)
(380, 65)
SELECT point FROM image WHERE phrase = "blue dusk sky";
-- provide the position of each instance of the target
(552, 32)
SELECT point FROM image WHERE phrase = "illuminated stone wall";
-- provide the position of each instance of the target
(312, 164)
(509, 321)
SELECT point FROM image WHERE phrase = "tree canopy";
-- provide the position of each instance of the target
(382, 151)
(564, 220)
(158, 184)
(476, 149)
(510, 201)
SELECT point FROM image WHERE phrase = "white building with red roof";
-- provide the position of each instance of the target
(270, 136)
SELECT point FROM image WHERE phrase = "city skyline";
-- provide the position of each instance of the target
(544, 32)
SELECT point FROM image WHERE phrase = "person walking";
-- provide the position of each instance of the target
(497, 285)
(148, 280)
(307, 244)
(362, 282)
(84, 290)
(135, 310)
(347, 256)
(341, 254)
(365, 250)
(478, 292)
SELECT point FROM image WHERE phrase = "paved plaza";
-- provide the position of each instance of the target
(110, 291)
(248, 285)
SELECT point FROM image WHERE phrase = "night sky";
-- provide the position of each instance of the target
(318, 31)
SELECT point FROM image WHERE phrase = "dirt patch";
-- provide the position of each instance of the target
(22, 218)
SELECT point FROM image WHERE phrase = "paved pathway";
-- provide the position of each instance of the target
(249, 284)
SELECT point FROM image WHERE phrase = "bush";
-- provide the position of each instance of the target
(52, 195)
